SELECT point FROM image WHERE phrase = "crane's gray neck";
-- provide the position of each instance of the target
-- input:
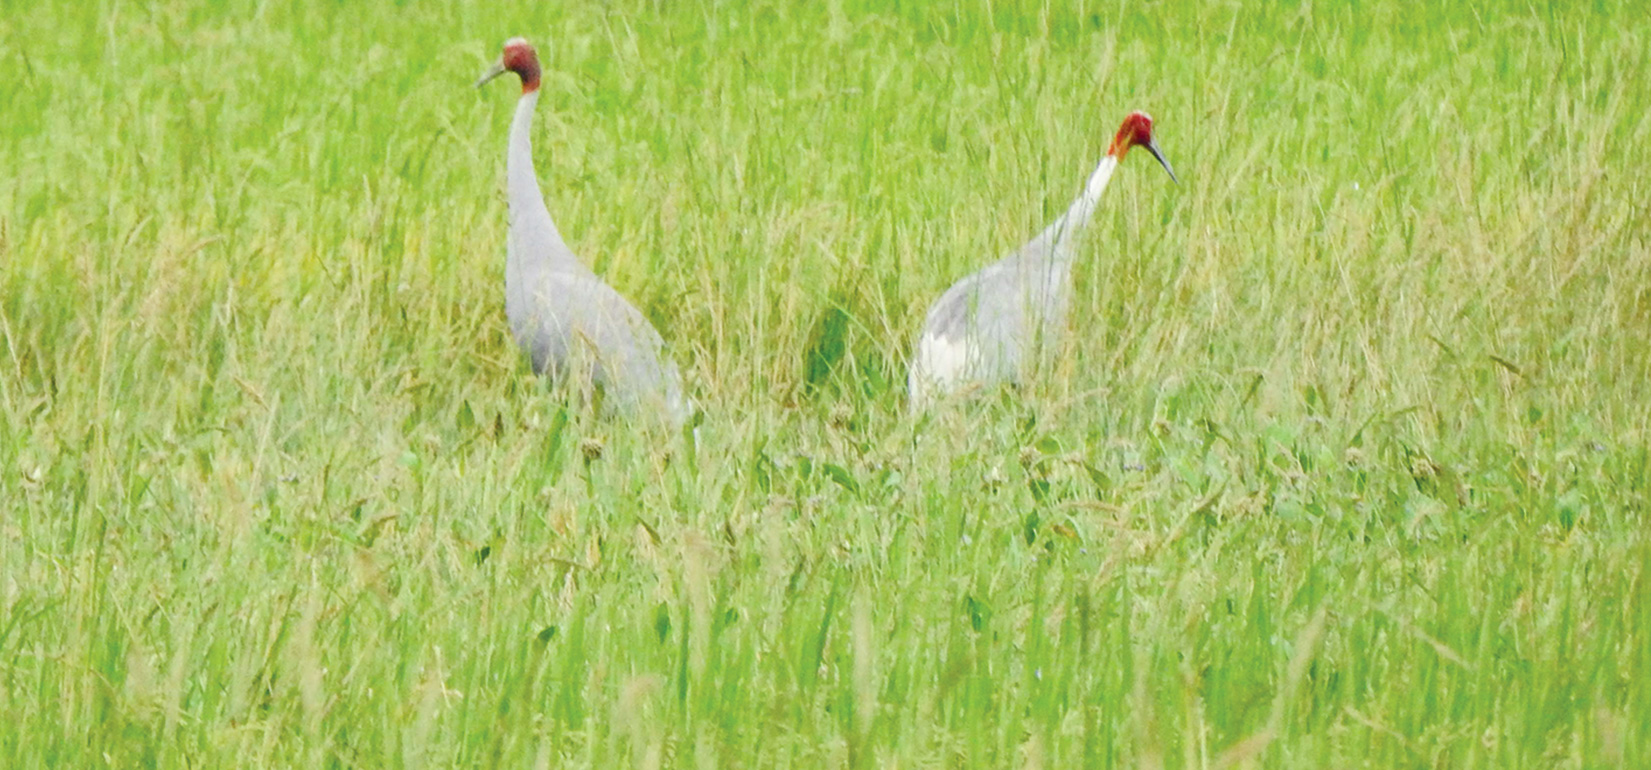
(1062, 237)
(530, 221)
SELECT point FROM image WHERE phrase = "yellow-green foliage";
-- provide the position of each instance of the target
(1344, 465)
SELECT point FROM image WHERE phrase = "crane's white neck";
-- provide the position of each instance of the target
(529, 219)
(1065, 231)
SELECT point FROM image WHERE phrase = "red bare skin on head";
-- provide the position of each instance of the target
(519, 58)
(1136, 130)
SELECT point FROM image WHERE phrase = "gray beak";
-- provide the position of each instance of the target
(498, 69)
(1152, 147)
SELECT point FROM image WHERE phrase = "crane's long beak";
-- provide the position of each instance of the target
(496, 70)
(1152, 147)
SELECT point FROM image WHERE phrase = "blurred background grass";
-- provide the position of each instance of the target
(1344, 464)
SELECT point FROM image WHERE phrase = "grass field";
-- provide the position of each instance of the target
(1345, 464)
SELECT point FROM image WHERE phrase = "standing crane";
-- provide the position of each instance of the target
(982, 330)
(570, 323)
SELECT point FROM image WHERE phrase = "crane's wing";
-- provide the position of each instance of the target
(980, 330)
(578, 326)
(973, 330)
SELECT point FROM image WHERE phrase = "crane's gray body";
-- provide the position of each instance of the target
(573, 327)
(991, 325)
(1002, 313)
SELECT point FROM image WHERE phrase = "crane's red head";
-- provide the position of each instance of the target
(518, 57)
(1137, 132)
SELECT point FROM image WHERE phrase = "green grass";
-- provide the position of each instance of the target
(1345, 466)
